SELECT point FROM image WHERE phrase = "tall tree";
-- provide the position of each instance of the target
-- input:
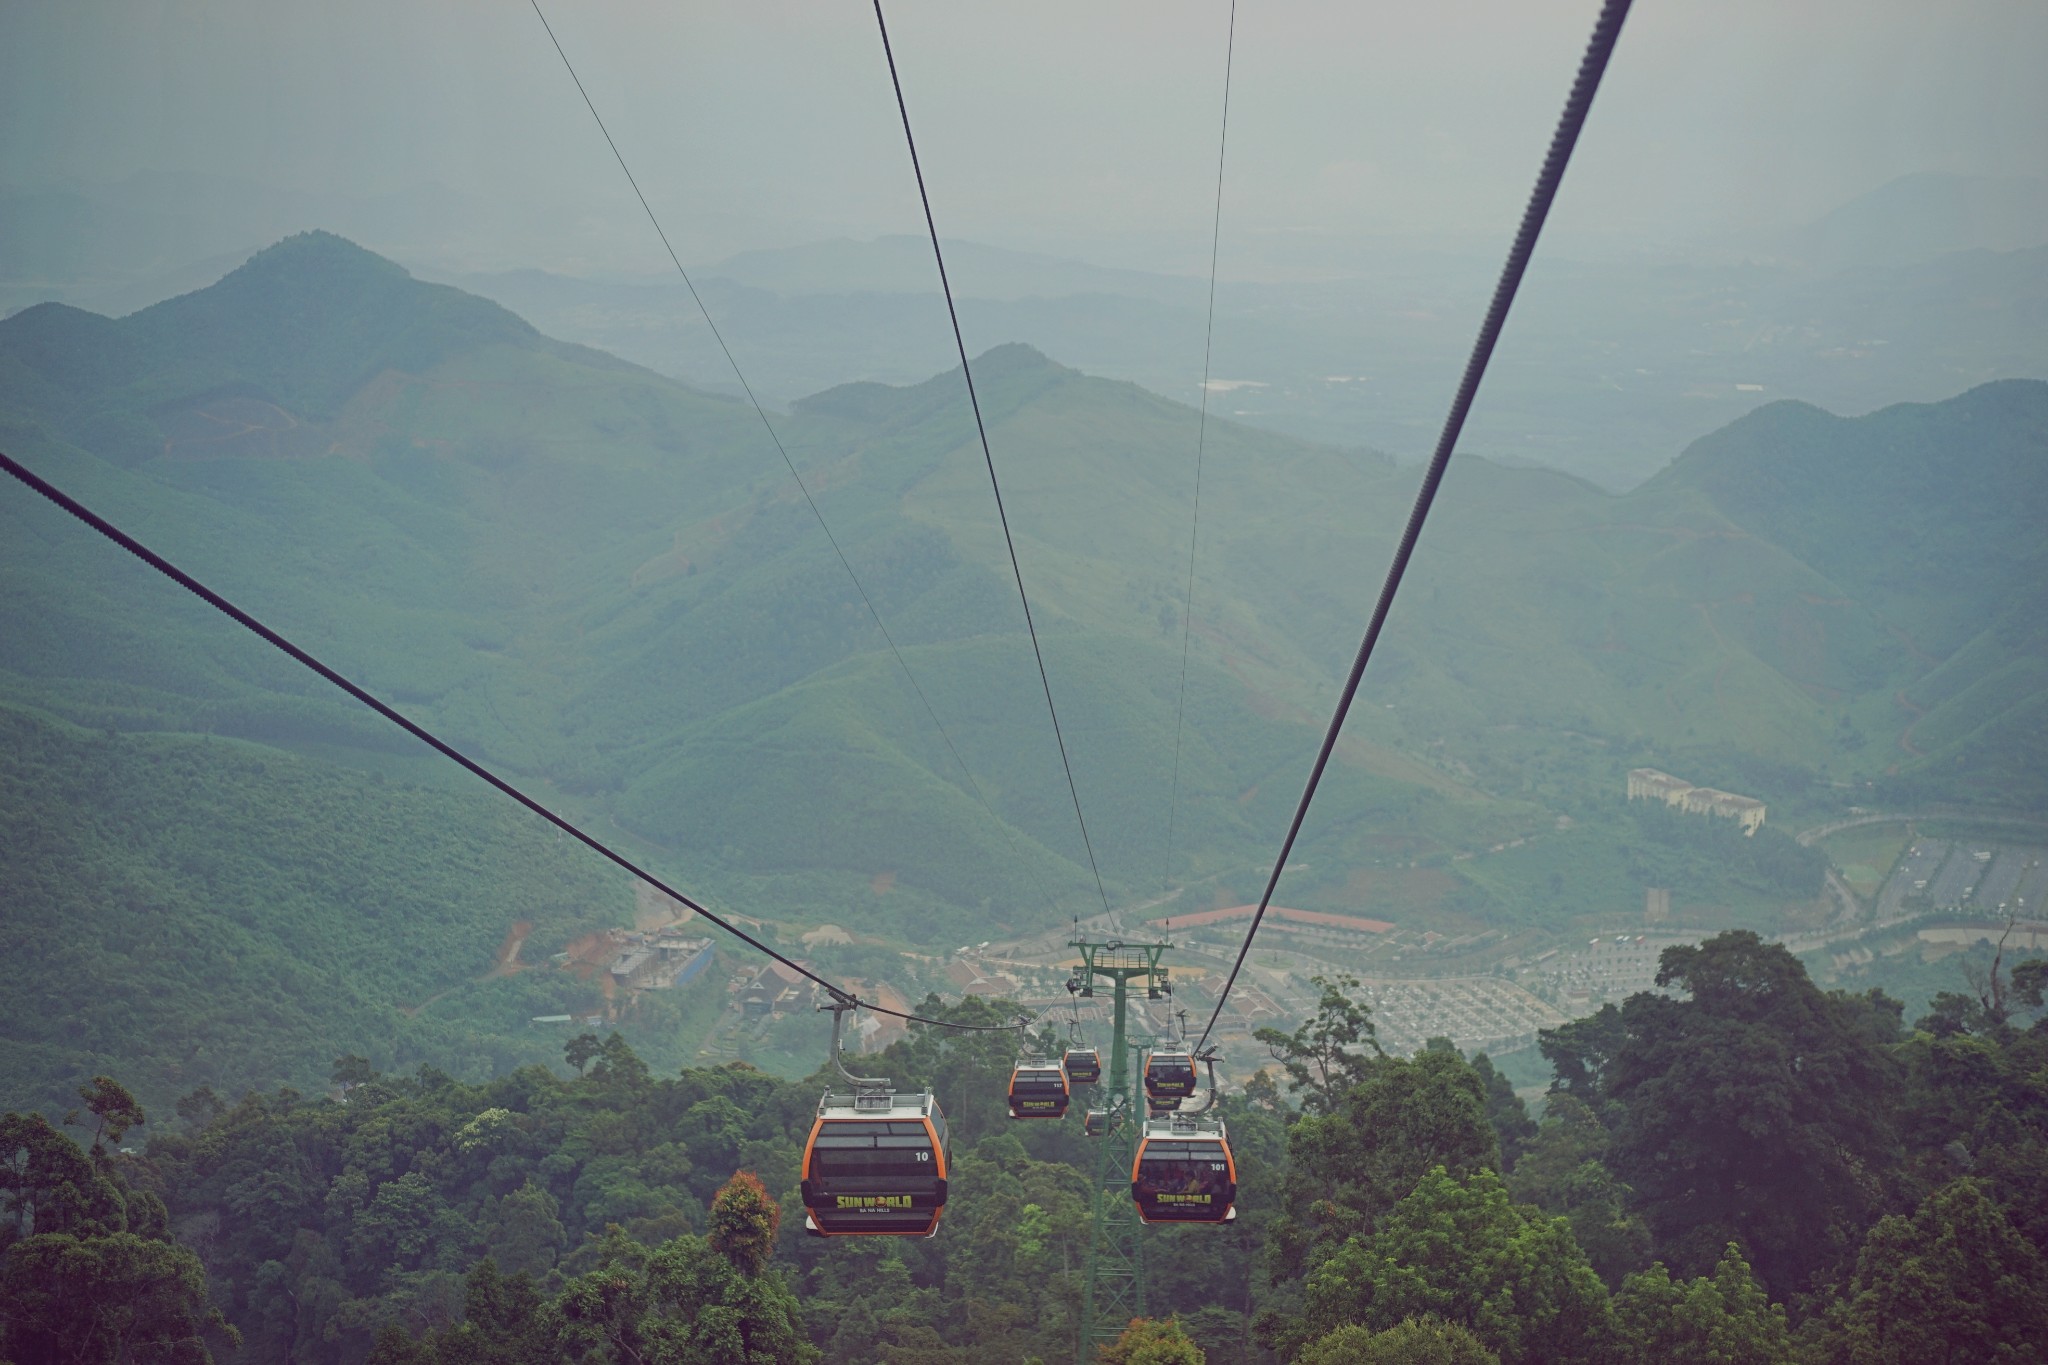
(1462, 1251)
(1565, 1172)
(1330, 1051)
(743, 1223)
(1505, 1111)
(99, 1300)
(527, 1236)
(1719, 1319)
(114, 1110)
(1580, 1052)
(1758, 1111)
(81, 1283)
(1954, 1283)
(581, 1051)
(1348, 1167)
(48, 1185)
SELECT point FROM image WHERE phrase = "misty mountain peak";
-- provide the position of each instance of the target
(312, 317)
(1017, 358)
(317, 252)
(1013, 369)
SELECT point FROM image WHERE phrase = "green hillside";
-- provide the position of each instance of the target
(206, 912)
(605, 583)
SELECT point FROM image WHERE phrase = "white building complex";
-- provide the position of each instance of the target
(1651, 785)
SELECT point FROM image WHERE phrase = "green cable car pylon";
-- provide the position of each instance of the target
(1114, 1290)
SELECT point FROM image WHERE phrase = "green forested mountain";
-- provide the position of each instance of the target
(605, 583)
(198, 911)
(1932, 516)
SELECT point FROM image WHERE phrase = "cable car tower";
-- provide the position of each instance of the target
(1114, 1291)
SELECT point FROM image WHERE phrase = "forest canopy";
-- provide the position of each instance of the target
(1893, 1208)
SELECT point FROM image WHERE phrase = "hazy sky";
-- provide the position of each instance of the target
(1083, 127)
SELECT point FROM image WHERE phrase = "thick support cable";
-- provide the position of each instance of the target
(981, 428)
(781, 450)
(94, 521)
(1187, 615)
(1606, 29)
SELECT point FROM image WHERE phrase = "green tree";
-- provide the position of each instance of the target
(201, 1107)
(617, 1063)
(101, 1299)
(395, 1231)
(581, 1050)
(1347, 1168)
(1424, 1341)
(1505, 1111)
(705, 1308)
(114, 1110)
(1977, 1105)
(1462, 1251)
(684, 1303)
(744, 1221)
(1564, 1172)
(1330, 1051)
(603, 1316)
(1580, 1052)
(1954, 1283)
(352, 1070)
(1719, 1319)
(527, 1235)
(1758, 1111)
(49, 1185)
(1151, 1341)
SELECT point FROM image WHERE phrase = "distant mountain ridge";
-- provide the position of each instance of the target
(1876, 503)
(307, 322)
(602, 581)
(1929, 214)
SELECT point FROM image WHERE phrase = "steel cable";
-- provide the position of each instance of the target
(1606, 29)
(1187, 616)
(242, 618)
(1030, 869)
(981, 428)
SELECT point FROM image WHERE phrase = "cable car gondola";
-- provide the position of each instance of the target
(1083, 1065)
(1101, 1122)
(1160, 1108)
(875, 1165)
(1038, 1090)
(1184, 1172)
(1169, 1075)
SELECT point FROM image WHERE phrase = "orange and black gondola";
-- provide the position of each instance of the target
(1184, 1173)
(1169, 1075)
(1160, 1108)
(875, 1165)
(1038, 1090)
(1083, 1065)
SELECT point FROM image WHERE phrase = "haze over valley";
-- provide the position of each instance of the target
(887, 499)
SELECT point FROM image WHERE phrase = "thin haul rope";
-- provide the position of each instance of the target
(93, 520)
(761, 412)
(1187, 615)
(981, 428)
